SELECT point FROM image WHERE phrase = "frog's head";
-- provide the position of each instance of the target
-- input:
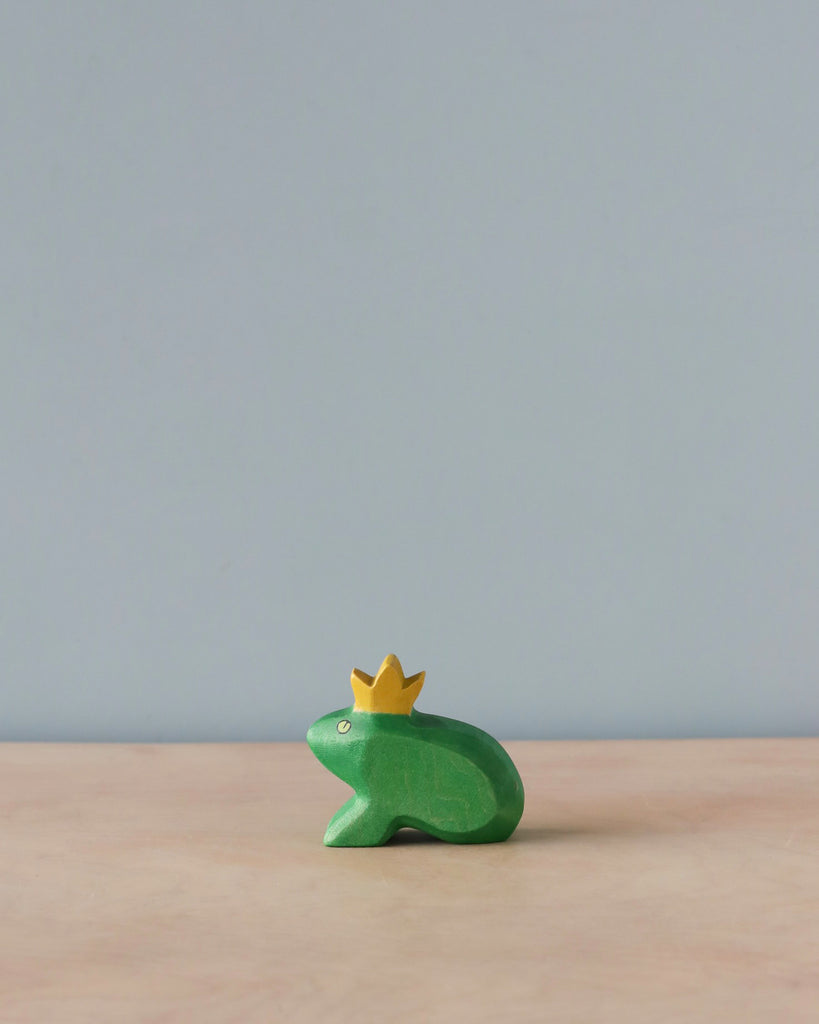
(339, 739)
(335, 740)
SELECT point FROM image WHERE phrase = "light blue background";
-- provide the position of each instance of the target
(482, 333)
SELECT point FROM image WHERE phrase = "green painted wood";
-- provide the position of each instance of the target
(415, 770)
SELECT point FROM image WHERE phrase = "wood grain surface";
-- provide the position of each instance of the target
(648, 882)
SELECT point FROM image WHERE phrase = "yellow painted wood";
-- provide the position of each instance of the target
(389, 692)
(647, 882)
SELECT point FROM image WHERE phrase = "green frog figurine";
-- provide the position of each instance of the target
(409, 769)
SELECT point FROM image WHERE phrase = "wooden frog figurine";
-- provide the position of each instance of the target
(413, 770)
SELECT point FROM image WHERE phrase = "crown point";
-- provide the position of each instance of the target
(362, 677)
(389, 691)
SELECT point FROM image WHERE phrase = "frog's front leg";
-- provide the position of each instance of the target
(359, 822)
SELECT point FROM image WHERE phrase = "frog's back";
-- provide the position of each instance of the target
(445, 777)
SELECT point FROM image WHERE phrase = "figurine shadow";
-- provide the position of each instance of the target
(587, 830)
(543, 833)
(676, 813)
(540, 833)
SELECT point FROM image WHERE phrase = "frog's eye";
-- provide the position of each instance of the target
(344, 725)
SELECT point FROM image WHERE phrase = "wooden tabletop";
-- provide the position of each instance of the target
(648, 882)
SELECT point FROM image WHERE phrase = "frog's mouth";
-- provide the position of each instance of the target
(312, 741)
(323, 748)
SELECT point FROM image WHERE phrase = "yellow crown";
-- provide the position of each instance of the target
(389, 692)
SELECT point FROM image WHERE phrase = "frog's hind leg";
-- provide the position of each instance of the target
(359, 823)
